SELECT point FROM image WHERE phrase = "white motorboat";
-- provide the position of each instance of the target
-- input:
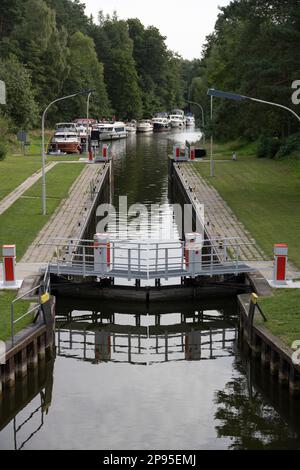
(190, 120)
(111, 131)
(177, 118)
(67, 141)
(145, 125)
(161, 124)
(131, 127)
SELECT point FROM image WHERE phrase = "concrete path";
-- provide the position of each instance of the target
(12, 197)
(68, 219)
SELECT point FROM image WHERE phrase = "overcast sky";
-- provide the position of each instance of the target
(186, 23)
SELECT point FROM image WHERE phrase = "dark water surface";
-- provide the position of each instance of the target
(175, 379)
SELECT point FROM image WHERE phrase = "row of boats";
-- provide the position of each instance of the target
(74, 137)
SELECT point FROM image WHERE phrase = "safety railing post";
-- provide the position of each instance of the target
(83, 260)
(12, 321)
(139, 258)
(166, 263)
(129, 264)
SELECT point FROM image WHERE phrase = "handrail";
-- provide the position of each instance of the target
(36, 307)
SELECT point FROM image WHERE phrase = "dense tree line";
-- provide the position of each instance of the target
(254, 50)
(49, 48)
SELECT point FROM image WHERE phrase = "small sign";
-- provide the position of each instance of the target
(22, 136)
(2, 92)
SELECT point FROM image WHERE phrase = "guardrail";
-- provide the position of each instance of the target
(149, 259)
(41, 289)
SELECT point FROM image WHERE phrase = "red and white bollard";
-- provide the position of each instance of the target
(102, 253)
(193, 252)
(192, 153)
(9, 265)
(176, 152)
(105, 151)
(280, 263)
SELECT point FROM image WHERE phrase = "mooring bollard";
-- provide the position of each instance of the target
(280, 263)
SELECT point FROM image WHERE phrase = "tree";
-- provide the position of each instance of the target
(44, 50)
(85, 72)
(21, 107)
(11, 13)
(115, 49)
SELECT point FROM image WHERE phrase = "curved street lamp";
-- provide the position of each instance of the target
(236, 97)
(83, 92)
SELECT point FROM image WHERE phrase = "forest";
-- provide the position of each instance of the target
(50, 48)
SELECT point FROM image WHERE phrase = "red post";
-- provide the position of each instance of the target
(9, 265)
(280, 262)
(192, 153)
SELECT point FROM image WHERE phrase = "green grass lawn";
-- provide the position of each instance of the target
(283, 314)
(6, 297)
(21, 223)
(16, 167)
(14, 170)
(265, 196)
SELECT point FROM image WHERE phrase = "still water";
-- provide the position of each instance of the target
(170, 378)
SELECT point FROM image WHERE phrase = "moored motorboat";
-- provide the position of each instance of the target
(65, 142)
(190, 120)
(161, 124)
(177, 118)
(109, 131)
(145, 125)
(131, 127)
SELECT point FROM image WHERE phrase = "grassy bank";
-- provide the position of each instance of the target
(282, 312)
(21, 223)
(263, 193)
(6, 297)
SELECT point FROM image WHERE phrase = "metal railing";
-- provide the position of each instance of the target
(41, 289)
(148, 259)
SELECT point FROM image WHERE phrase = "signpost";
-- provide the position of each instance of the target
(22, 137)
(2, 92)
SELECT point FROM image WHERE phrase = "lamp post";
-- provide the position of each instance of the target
(202, 112)
(87, 120)
(84, 92)
(236, 97)
(201, 108)
(212, 172)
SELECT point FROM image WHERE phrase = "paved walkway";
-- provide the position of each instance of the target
(69, 218)
(12, 197)
(220, 220)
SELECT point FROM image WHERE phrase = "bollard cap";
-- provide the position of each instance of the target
(281, 249)
(8, 250)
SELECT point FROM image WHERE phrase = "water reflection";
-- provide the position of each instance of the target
(23, 409)
(146, 339)
(255, 412)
